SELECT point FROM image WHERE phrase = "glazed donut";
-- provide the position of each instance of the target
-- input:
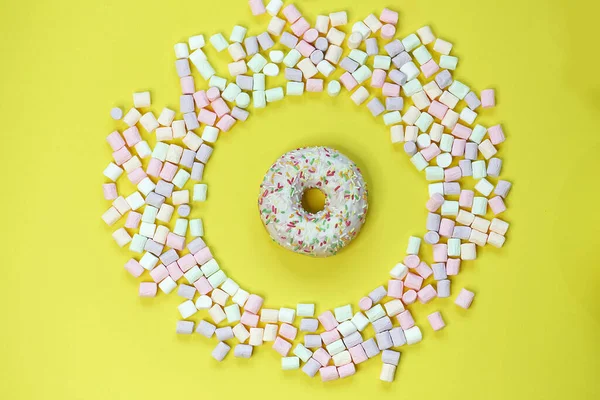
(326, 232)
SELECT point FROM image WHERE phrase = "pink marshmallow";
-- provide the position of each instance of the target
(203, 256)
(314, 85)
(378, 78)
(497, 205)
(405, 319)
(154, 167)
(134, 268)
(187, 85)
(365, 303)
(175, 273)
(115, 141)
(346, 370)
(186, 262)
(133, 220)
(148, 289)
(132, 136)
(430, 68)
(328, 320)
(458, 147)
(207, 117)
(446, 227)
(395, 288)
(291, 13)
(496, 134)
(488, 98)
(159, 273)
(440, 252)
(388, 16)
(329, 373)
(466, 198)
(412, 261)
(257, 7)
(452, 266)
(322, 356)
(461, 131)
(464, 298)
(409, 297)
(388, 31)
(426, 294)
(175, 241)
(413, 281)
(358, 354)
(305, 48)
(288, 331)
(311, 35)
(452, 174)
(201, 99)
(437, 109)
(434, 202)
(423, 270)
(226, 123)
(331, 336)
(249, 319)
(202, 285)
(436, 321)
(282, 347)
(348, 81)
(213, 93)
(300, 27)
(122, 155)
(137, 175)
(254, 303)
(110, 191)
(168, 171)
(220, 107)
(390, 90)
(430, 152)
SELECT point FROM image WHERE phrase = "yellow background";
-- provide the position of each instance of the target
(72, 324)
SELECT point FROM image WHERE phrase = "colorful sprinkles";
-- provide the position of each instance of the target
(324, 233)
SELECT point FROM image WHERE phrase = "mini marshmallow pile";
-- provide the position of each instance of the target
(388, 75)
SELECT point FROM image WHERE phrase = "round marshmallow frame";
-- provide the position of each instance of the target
(444, 144)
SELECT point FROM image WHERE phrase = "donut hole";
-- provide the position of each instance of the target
(313, 200)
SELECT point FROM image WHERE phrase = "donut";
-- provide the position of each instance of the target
(326, 232)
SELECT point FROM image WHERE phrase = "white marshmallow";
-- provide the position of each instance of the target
(196, 42)
(305, 310)
(187, 309)
(360, 95)
(274, 94)
(413, 335)
(287, 315)
(387, 372)
(219, 42)
(181, 50)
(238, 33)
(288, 363)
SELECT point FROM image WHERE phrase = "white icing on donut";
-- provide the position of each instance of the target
(325, 233)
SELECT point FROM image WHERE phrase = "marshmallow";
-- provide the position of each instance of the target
(241, 333)
(288, 363)
(184, 327)
(302, 352)
(270, 332)
(387, 372)
(205, 328)
(242, 351)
